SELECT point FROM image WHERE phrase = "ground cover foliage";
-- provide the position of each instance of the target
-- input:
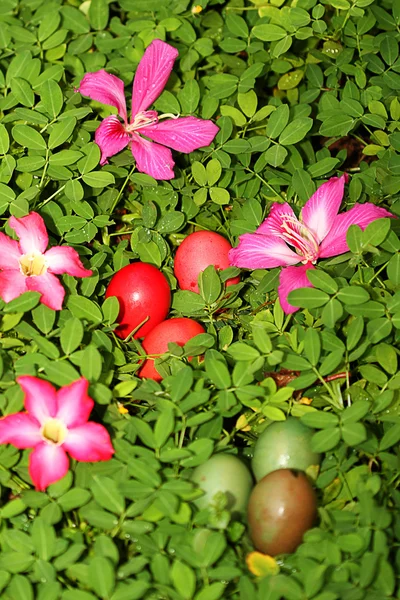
(301, 91)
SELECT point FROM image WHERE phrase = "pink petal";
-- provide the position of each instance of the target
(20, 430)
(12, 285)
(361, 215)
(111, 138)
(63, 259)
(153, 159)
(274, 222)
(32, 233)
(321, 209)
(105, 88)
(9, 253)
(40, 397)
(257, 251)
(89, 443)
(47, 464)
(184, 135)
(292, 278)
(74, 404)
(152, 75)
(51, 289)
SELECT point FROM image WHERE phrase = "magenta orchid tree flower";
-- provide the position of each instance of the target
(182, 134)
(283, 240)
(55, 424)
(26, 266)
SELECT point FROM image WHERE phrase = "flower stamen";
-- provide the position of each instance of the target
(32, 265)
(300, 237)
(54, 431)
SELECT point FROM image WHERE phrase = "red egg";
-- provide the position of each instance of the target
(199, 250)
(179, 330)
(142, 291)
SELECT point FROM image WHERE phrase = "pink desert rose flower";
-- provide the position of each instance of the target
(26, 266)
(55, 424)
(320, 232)
(182, 134)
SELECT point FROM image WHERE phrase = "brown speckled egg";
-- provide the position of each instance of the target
(282, 507)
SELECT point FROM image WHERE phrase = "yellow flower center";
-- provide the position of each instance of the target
(54, 431)
(32, 265)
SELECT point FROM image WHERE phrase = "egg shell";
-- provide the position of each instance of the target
(179, 330)
(198, 251)
(281, 508)
(142, 291)
(224, 473)
(284, 445)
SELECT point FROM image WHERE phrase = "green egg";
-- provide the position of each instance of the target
(284, 445)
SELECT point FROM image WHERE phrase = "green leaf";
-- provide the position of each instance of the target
(83, 308)
(43, 538)
(107, 494)
(308, 297)
(219, 195)
(331, 313)
(23, 303)
(61, 132)
(98, 14)
(354, 433)
(275, 155)
(393, 269)
(170, 222)
(183, 579)
(210, 285)
(92, 363)
(217, 371)
(295, 131)
(4, 139)
(322, 281)
(20, 587)
(312, 346)
(277, 121)
(353, 295)
(188, 303)
(387, 357)
(101, 576)
(390, 438)
(164, 427)
(98, 179)
(71, 335)
(354, 332)
(22, 91)
(51, 97)
(28, 137)
(376, 232)
(242, 351)
(331, 362)
(320, 420)
(326, 439)
(189, 96)
(268, 33)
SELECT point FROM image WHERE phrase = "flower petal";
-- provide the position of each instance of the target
(89, 443)
(20, 430)
(12, 285)
(9, 253)
(40, 397)
(320, 210)
(111, 138)
(274, 222)
(257, 251)
(152, 75)
(361, 215)
(292, 278)
(47, 464)
(184, 135)
(51, 289)
(32, 233)
(64, 259)
(74, 404)
(105, 88)
(153, 159)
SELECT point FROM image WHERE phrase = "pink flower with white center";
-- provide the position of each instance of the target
(26, 266)
(182, 134)
(55, 423)
(320, 232)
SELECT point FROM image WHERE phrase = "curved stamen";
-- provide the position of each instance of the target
(300, 237)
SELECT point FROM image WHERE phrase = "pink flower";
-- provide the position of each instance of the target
(319, 233)
(55, 423)
(25, 265)
(184, 135)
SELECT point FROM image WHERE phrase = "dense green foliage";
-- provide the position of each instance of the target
(301, 91)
